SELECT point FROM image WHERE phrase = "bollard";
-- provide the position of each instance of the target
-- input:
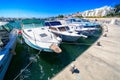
(105, 35)
(98, 43)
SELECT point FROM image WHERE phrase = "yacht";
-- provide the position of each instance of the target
(81, 25)
(39, 37)
(8, 37)
(63, 31)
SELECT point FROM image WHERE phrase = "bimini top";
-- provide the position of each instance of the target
(32, 21)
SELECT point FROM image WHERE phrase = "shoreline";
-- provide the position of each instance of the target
(97, 62)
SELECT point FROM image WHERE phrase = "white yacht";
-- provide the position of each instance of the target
(81, 25)
(39, 37)
(63, 31)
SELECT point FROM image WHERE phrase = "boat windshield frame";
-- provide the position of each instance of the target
(53, 28)
(6, 27)
(62, 29)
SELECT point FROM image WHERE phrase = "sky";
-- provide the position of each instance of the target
(49, 8)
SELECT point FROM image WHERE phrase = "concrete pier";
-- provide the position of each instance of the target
(97, 62)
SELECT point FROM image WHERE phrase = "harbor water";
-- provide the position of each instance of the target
(46, 65)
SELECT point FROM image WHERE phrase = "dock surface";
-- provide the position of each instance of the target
(97, 62)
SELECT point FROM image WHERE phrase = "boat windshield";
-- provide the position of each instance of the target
(77, 20)
(47, 24)
(6, 27)
(84, 20)
(55, 23)
(67, 28)
(89, 27)
(53, 28)
(73, 20)
(62, 29)
(4, 34)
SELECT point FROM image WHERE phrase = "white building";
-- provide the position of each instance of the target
(103, 11)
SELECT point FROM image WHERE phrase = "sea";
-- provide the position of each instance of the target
(45, 65)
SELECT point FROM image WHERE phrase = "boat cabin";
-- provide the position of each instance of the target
(61, 28)
(56, 26)
(4, 34)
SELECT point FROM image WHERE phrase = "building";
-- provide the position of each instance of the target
(99, 12)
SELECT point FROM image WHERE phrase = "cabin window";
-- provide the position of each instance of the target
(84, 20)
(73, 20)
(78, 21)
(85, 26)
(47, 24)
(43, 35)
(53, 28)
(67, 28)
(62, 28)
(29, 30)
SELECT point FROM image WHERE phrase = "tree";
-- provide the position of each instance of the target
(79, 16)
(117, 8)
(60, 16)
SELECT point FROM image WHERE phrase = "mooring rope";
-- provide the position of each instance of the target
(26, 66)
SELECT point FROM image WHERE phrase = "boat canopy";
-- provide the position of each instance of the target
(32, 21)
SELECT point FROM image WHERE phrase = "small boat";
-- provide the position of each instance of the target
(63, 31)
(8, 37)
(81, 25)
(39, 37)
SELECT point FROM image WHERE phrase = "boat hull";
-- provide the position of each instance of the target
(40, 38)
(67, 37)
(35, 46)
(6, 55)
